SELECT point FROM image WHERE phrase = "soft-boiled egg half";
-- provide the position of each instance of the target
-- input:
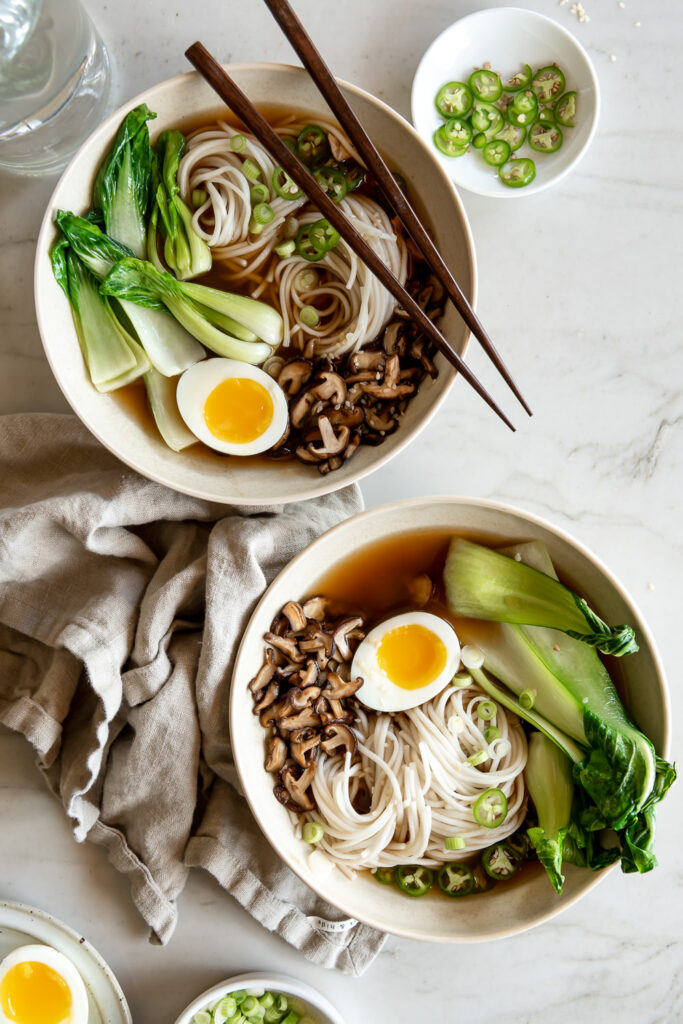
(405, 661)
(39, 985)
(231, 406)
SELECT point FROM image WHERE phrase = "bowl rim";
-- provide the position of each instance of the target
(257, 979)
(505, 508)
(320, 485)
(534, 188)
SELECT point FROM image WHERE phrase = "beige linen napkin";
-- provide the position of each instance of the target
(121, 606)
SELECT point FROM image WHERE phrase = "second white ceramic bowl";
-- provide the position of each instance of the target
(512, 909)
(188, 101)
(308, 1000)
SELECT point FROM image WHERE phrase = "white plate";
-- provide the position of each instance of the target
(21, 926)
(309, 1001)
(507, 37)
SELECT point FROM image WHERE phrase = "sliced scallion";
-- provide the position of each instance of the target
(312, 832)
(251, 170)
(527, 699)
(454, 843)
(491, 733)
(487, 710)
(259, 193)
(262, 213)
(309, 316)
(238, 143)
(285, 249)
(478, 757)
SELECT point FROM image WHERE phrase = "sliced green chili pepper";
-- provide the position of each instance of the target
(524, 108)
(519, 841)
(456, 879)
(544, 137)
(487, 118)
(486, 85)
(283, 185)
(546, 115)
(354, 174)
(518, 172)
(479, 140)
(385, 876)
(305, 246)
(491, 808)
(453, 99)
(482, 881)
(496, 153)
(565, 109)
(332, 181)
(548, 83)
(312, 145)
(414, 879)
(500, 861)
(513, 134)
(446, 145)
(522, 80)
(457, 130)
(322, 235)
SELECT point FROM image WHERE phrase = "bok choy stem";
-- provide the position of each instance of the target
(185, 252)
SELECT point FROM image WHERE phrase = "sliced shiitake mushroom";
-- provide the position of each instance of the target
(337, 688)
(264, 674)
(296, 782)
(341, 633)
(294, 375)
(287, 645)
(338, 738)
(276, 755)
(304, 745)
(295, 616)
(269, 696)
(307, 718)
(315, 608)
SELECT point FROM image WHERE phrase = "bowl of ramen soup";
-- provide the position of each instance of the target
(450, 720)
(210, 327)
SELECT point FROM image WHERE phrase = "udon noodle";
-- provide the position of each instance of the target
(421, 788)
(352, 305)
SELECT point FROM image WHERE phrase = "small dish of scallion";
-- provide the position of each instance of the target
(508, 101)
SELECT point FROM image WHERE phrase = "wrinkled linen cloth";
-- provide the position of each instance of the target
(121, 607)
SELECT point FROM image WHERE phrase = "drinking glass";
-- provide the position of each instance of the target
(54, 82)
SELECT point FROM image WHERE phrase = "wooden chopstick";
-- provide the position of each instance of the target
(231, 94)
(326, 83)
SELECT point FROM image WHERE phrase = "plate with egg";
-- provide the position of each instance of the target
(51, 975)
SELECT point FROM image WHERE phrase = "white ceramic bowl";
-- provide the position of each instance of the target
(508, 37)
(187, 98)
(311, 1002)
(514, 909)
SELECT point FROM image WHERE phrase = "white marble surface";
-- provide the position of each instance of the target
(580, 286)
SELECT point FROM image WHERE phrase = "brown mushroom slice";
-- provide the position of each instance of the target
(294, 375)
(338, 689)
(421, 589)
(362, 376)
(304, 745)
(264, 674)
(381, 420)
(269, 697)
(330, 388)
(340, 636)
(331, 443)
(286, 645)
(302, 453)
(296, 783)
(366, 361)
(338, 151)
(307, 718)
(387, 393)
(392, 370)
(352, 447)
(295, 616)
(301, 409)
(283, 797)
(276, 755)
(315, 608)
(393, 340)
(346, 417)
(309, 675)
(270, 715)
(338, 738)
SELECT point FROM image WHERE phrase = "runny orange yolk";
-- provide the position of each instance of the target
(238, 410)
(33, 993)
(412, 656)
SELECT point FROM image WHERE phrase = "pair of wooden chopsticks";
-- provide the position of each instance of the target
(231, 94)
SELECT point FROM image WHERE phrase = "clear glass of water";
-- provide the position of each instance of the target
(54, 82)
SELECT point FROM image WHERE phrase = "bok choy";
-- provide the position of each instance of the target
(161, 392)
(140, 282)
(483, 584)
(548, 776)
(617, 774)
(169, 346)
(121, 188)
(112, 356)
(185, 252)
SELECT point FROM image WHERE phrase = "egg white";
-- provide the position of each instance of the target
(197, 383)
(378, 691)
(62, 966)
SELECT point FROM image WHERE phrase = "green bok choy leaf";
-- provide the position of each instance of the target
(169, 346)
(139, 282)
(161, 392)
(548, 776)
(483, 584)
(112, 356)
(185, 252)
(121, 188)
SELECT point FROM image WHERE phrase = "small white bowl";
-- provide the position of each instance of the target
(507, 37)
(311, 1001)
(512, 910)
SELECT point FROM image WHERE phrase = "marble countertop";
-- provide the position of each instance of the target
(580, 287)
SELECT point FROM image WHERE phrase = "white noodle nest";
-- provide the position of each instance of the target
(422, 787)
(353, 306)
